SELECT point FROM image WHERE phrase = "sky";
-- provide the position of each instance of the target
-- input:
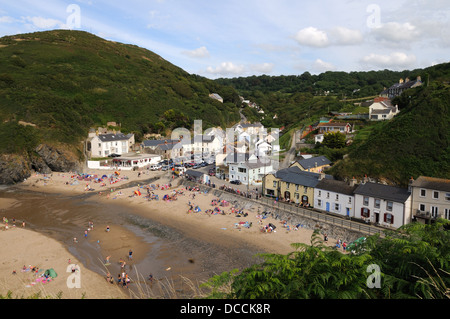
(233, 38)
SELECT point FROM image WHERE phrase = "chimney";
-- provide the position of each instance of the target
(366, 179)
(419, 79)
(322, 176)
(352, 182)
(400, 81)
(411, 180)
(406, 80)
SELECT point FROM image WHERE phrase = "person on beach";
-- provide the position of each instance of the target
(130, 255)
(107, 228)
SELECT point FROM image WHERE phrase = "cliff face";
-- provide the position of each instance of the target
(14, 168)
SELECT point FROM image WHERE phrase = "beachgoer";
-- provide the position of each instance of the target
(85, 234)
(130, 255)
(107, 228)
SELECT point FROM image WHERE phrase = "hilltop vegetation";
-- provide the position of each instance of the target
(65, 82)
(416, 142)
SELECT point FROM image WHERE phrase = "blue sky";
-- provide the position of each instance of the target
(232, 38)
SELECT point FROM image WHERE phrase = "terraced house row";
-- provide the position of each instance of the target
(425, 199)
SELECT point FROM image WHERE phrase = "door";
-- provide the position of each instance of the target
(347, 211)
(327, 207)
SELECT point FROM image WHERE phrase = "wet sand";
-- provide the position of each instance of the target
(166, 241)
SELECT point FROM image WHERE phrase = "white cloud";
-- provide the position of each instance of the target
(322, 66)
(394, 60)
(312, 37)
(201, 52)
(226, 68)
(262, 68)
(396, 32)
(345, 36)
(45, 23)
(6, 19)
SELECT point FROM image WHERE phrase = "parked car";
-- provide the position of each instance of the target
(237, 182)
(114, 155)
(155, 167)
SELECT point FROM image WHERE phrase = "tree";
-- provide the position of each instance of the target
(333, 140)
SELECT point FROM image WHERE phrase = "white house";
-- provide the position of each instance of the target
(383, 204)
(249, 172)
(102, 145)
(335, 197)
(382, 109)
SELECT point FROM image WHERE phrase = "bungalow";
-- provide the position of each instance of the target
(430, 198)
(335, 197)
(382, 109)
(102, 145)
(313, 164)
(196, 176)
(343, 128)
(292, 184)
(383, 204)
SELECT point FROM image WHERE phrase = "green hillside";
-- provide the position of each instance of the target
(416, 142)
(64, 82)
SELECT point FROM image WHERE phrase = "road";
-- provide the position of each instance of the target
(290, 155)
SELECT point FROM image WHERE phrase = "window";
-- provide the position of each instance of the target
(366, 201)
(274, 184)
(337, 196)
(242, 170)
(365, 212)
(319, 202)
(336, 207)
(447, 196)
(328, 194)
(423, 192)
(422, 207)
(349, 199)
(389, 206)
(434, 211)
(287, 185)
(377, 203)
(306, 189)
(320, 193)
(435, 195)
(388, 218)
(296, 188)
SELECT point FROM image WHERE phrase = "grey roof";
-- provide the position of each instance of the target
(396, 194)
(336, 186)
(154, 143)
(296, 176)
(311, 162)
(169, 146)
(383, 111)
(236, 157)
(193, 173)
(114, 137)
(439, 184)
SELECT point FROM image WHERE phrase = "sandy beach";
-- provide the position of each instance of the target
(226, 227)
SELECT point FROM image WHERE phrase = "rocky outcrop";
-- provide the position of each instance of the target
(56, 159)
(14, 168)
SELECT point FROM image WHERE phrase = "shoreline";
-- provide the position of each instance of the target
(215, 230)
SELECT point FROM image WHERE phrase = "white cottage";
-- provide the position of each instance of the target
(102, 145)
(383, 204)
(335, 196)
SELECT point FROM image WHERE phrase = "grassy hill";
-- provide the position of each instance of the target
(63, 82)
(416, 142)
